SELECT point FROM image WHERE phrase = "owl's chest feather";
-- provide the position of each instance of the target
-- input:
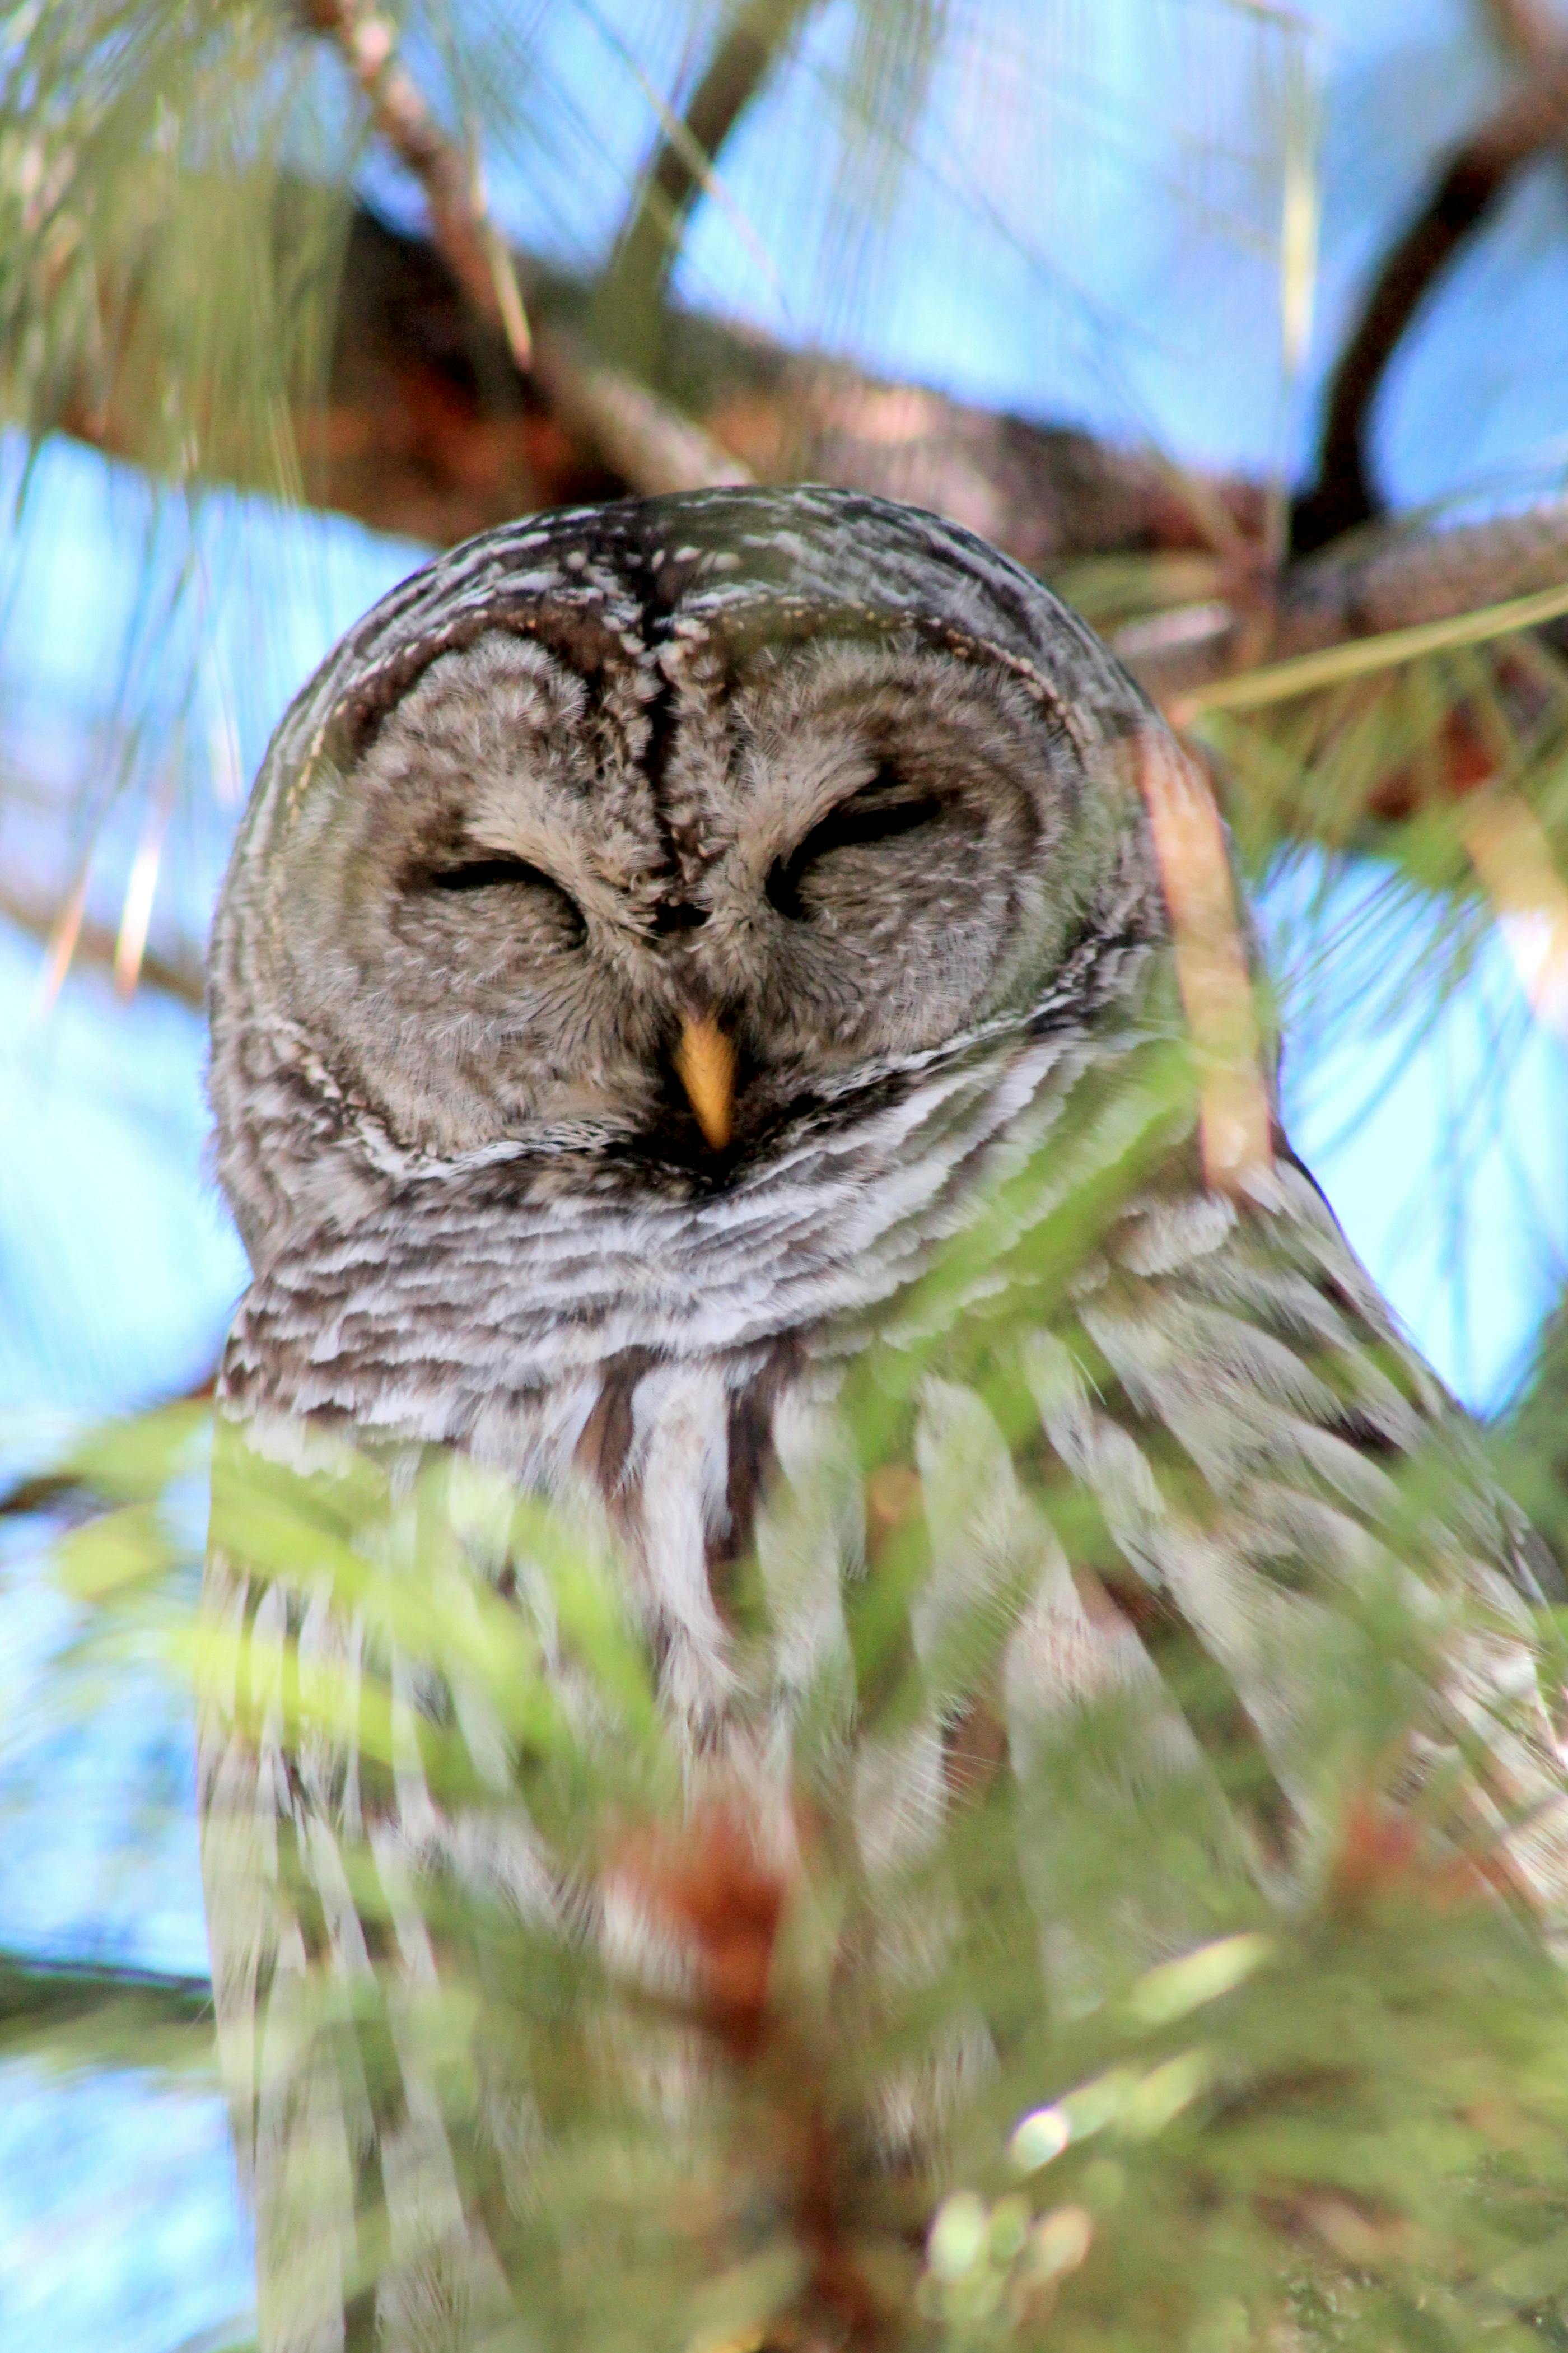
(635, 1382)
(633, 1352)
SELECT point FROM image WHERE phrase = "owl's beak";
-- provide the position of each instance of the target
(705, 1064)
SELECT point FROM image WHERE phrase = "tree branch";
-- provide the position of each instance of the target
(1405, 578)
(36, 1989)
(461, 221)
(409, 436)
(1525, 30)
(96, 943)
(630, 428)
(406, 440)
(630, 306)
(1533, 118)
(88, 2014)
(641, 437)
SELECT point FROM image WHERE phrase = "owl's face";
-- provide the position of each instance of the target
(493, 920)
(674, 843)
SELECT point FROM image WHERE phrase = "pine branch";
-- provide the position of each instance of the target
(1511, 853)
(461, 221)
(408, 440)
(1234, 1120)
(429, 428)
(1407, 578)
(1317, 2095)
(37, 1991)
(80, 1486)
(1361, 657)
(43, 1490)
(441, 414)
(85, 2015)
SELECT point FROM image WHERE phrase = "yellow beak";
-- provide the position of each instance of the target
(705, 1065)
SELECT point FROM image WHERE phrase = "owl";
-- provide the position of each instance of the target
(662, 936)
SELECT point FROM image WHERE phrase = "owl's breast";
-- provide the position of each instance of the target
(590, 1335)
(614, 1364)
(453, 1301)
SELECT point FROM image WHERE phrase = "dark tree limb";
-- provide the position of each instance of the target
(1532, 119)
(1402, 578)
(1525, 30)
(407, 440)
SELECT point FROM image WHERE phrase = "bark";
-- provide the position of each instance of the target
(460, 222)
(412, 437)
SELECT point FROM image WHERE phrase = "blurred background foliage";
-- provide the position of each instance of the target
(1245, 326)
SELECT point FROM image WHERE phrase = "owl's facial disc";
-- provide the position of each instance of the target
(517, 915)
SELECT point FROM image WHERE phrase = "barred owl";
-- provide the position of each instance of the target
(656, 930)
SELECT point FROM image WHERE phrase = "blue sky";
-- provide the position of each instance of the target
(1086, 231)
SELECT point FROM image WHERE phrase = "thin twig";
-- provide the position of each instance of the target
(460, 222)
(1509, 851)
(1235, 1126)
(140, 889)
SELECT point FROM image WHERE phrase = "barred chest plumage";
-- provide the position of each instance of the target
(641, 1338)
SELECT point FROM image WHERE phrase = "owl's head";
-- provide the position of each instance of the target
(636, 834)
